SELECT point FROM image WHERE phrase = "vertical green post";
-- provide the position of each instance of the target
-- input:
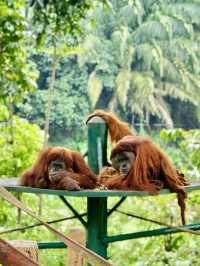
(97, 143)
(97, 207)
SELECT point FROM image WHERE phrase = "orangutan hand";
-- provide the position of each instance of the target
(55, 177)
(67, 183)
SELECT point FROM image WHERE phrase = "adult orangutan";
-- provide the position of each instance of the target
(138, 164)
(59, 168)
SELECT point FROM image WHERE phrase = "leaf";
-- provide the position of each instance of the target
(122, 86)
(94, 88)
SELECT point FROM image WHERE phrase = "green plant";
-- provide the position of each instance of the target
(187, 145)
(143, 51)
(16, 74)
(19, 143)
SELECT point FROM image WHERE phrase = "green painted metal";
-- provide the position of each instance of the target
(51, 245)
(97, 206)
(116, 206)
(149, 233)
(97, 134)
(77, 215)
(97, 225)
(97, 239)
(91, 193)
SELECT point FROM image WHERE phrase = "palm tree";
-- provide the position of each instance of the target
(144, 51)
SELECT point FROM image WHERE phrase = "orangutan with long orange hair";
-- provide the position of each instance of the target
(59, 168)
(137, 163)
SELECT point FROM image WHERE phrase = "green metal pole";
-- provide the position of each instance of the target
(97, 143)
(51, 245)
(149, 233)
(97, 225)
(97, 207)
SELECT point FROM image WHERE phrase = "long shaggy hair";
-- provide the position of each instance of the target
(74, 163)
(151, 169)
(117, 128)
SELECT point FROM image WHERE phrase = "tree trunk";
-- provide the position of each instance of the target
(50, 97)
(48, 110)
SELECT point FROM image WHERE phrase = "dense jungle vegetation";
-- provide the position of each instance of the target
(59, 60)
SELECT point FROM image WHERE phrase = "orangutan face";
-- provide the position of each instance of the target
(123, 162)
(57, 165)
(56, 170)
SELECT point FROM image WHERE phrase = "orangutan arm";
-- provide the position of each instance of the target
(64, 180)
(110, 178)
(116, 182)
(82, 173)
(117, 128)
(29, 179)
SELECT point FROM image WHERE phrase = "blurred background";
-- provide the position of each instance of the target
(60, 60)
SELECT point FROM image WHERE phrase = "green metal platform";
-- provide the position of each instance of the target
(97, 211)
(97, 214)
(11, 185)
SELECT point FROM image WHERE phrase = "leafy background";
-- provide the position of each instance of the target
(139, 59)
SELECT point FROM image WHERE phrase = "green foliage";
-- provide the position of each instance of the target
(53, 17)
(187, 144)
(158, 251)
(94, 88)
(148, 49)
(19, 143)
(16, 75)
(141, 50)
(70, 102)
(177, 249)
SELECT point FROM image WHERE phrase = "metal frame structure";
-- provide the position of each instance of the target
(97, 211)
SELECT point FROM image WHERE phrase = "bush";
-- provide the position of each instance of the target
(19, 143)
(185, 146)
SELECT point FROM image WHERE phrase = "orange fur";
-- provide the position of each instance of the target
(77, 169)
(150, 165)
(151, 169)
(117, 129)
(110, 178)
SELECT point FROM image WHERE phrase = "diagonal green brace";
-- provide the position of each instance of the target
(78, 216)
(116, 206)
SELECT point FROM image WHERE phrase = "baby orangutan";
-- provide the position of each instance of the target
(59, 168)
(139, 163)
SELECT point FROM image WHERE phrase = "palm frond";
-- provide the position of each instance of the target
(188, 11)
(94, 88)
(164, 113)
(122, 86)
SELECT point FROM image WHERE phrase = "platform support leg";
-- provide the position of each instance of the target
(97, 225)
(97, 207)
